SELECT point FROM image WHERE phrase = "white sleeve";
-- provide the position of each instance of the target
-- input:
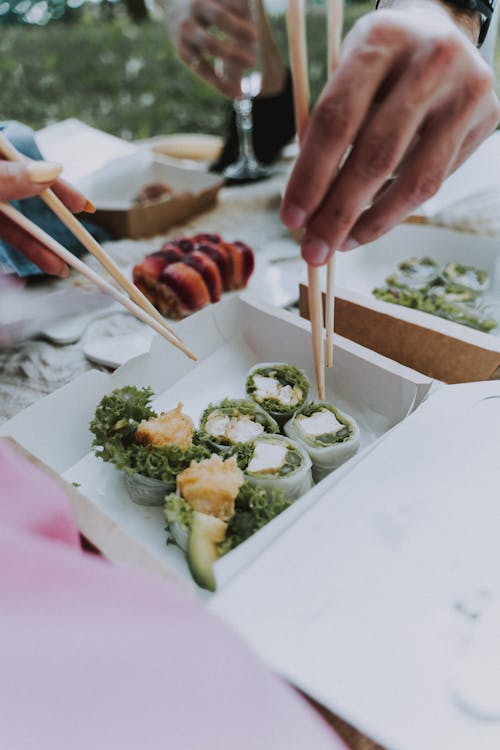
(488, 48)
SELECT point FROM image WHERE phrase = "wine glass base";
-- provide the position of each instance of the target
(247, 171)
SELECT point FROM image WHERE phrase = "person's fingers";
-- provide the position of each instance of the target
(384, 141)
(212, 13)
(32, 249)
(425, 169)
(478, 133)
(203, 68)
(379, 148)
(23, 179)
(195, 36)
(72, 198)
(332, 128)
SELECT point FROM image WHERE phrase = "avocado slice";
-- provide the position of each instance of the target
(202, 551)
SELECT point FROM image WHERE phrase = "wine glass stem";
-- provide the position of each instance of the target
(243, 108)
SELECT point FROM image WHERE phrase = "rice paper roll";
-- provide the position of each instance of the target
(235, 421)
(280, 389)
(415, 273)
(328, 435)
(144, 490)
(279, 463)
(466, 276)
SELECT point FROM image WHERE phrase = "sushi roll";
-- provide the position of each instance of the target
(453, 293)
(214, 510)
(150, 449)
(280, 389)
(466, 276)
(234, 421)
(414, 273)
(328, 435)
(279, 463)
(168, 429)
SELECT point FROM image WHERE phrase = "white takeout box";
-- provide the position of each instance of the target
(439, 348)
(361, 601)
(370, 601)
(114, 187)
(229, 338)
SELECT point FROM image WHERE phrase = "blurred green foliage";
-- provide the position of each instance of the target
(118, 76)
(121, 77)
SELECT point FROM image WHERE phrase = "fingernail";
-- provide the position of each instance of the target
(43, 171)
(315, 251)
(89, 207)
(294, 216)
(64, 273)
(349, 244)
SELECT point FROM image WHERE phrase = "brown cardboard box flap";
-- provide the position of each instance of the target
(435, 354)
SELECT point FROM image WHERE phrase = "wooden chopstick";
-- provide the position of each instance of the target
(89, 243)
(298, 59)
(335, 24)
(18, 218)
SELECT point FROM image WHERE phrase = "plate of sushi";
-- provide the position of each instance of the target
(221, 478)
(453, 291)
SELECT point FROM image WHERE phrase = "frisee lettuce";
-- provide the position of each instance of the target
(115, 423)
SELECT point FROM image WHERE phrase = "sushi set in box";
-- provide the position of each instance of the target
(365, 521)
(426, 297)
(240, 427)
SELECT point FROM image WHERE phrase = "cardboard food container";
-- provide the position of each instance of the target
(113, 190)
(229, 338)
(382, 603)
(438, 348)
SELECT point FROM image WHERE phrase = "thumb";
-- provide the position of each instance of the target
(23, 179)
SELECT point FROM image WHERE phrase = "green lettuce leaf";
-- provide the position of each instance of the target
(253, 510)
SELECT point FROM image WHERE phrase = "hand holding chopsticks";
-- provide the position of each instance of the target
(298, 57)
(138, 304)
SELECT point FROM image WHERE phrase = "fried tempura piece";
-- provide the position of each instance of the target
(171, 427)
(211, 486)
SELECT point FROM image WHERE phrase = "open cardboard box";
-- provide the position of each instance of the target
(374, 602)
(359, 601)
(229, 338)
(114, 187)
(438, 348)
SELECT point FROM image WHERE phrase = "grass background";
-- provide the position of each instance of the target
(121, 77)
(118, 76)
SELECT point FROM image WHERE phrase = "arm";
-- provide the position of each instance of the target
(414, 98)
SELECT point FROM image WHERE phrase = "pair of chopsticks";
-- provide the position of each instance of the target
(136, 303)
(298, 57)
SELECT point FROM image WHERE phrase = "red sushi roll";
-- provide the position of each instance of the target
(206, 237)
(223, 260)
(208, 269)
(248, 261)
(186, 244)
(236, 264)
(181, 290)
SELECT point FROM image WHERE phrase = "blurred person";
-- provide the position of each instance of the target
(216, 38)
(411, 100)
(98, 656)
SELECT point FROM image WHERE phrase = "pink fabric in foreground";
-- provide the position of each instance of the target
(95, 657)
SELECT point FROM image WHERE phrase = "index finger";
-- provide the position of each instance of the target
(333, 127)
(229, 22)
(72, 198)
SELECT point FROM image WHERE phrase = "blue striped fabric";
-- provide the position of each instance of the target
(12, 261)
